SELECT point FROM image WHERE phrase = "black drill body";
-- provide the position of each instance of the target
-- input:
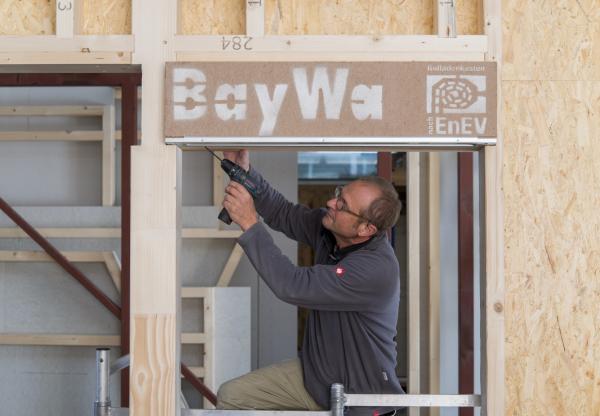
(237, 174)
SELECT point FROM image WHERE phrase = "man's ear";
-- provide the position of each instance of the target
(367, 229)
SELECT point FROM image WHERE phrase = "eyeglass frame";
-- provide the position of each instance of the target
(340, 204)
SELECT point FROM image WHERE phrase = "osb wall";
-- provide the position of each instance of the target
(332, 17)
(551, 88)
(27, 17)
(104, 17)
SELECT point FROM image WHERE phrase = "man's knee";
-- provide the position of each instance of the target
(228, 395)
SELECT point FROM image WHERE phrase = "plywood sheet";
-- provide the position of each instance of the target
(106, 17)
(27, 17)
(212, 17)
(557, 40)
(552, 251)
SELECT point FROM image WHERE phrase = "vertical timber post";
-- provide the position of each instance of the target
(155, 226)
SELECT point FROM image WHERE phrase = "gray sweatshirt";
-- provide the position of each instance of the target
(352, 295)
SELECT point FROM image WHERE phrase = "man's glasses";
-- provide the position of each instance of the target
(340, 204)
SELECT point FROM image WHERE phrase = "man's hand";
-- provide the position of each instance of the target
(241, 157)
(240, 205)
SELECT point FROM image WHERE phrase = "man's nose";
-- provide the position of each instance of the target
(331, 203)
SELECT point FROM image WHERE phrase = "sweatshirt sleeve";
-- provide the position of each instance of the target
(360, 282)
(296, 221)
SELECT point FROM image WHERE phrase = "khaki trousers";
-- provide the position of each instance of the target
(277, 387)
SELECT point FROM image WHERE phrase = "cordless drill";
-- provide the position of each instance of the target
(237, 174)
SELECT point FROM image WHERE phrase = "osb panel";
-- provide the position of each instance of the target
(552, 250)
(27, 17)
(558, 40)
(212, 17)
(362, 17)
(106, 17)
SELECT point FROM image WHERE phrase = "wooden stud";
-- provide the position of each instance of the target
(67, 18)
(108, 156)
(434, 277)
(209, 323)
(444, 18)
(255, 18)
(492, 270)
(155, 227)
(230, 266)
(414, 275)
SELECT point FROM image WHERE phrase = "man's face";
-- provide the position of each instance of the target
(353, 199)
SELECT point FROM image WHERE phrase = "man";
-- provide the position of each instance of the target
(352, 292)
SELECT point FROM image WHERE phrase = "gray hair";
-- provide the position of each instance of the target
(385, 209)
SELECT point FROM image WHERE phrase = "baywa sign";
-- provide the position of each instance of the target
(342, 99)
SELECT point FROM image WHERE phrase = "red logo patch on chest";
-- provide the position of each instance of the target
(339, 271)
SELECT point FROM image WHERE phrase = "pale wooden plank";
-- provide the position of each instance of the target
(255, 17)
(41, 256)
(52, 110)
(230, 266)
(334, 44)
(113, 265)
(414, 278)
(193, 338)
(61, 340)
(60, 58)
(108, 156)
(14, 232)
(155, 227)
(434, 277)
(194, 292)
(66, 18)
(79, 43)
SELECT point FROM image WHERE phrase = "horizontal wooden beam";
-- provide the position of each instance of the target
(61, 339)
(80, 57)
(193, 338)
(331, 43)
(15, 232)
(52, 110)
(41, 256)
(194, 292)
(81, 340)
(80, 43)
(58, 135)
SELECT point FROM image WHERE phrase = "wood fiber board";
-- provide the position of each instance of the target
(552, 252)
(106, 17)
(27, 17)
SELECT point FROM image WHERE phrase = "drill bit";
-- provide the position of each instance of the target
(213, 153)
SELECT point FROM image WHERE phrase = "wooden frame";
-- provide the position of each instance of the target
(117, 49)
